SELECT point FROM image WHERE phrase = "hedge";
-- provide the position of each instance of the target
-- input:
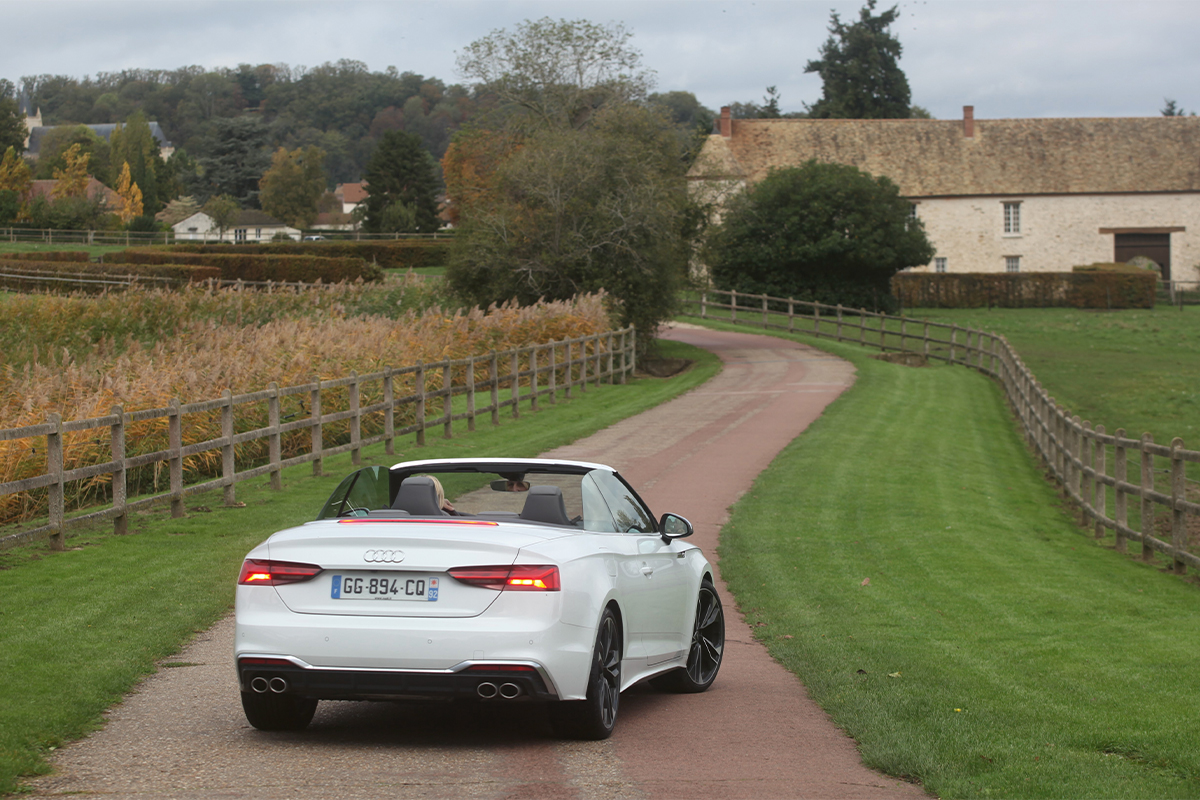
(59, 274)
(1100, 289)
(74, 256)
(258, 266)
(388, 254)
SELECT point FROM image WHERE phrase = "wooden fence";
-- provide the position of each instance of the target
(1134, 487)
(527, 375)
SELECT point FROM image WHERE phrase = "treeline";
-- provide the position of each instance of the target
(343, 108)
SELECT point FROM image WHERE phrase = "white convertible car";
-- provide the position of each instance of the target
(545, 581)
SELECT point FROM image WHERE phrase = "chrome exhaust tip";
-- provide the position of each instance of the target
(487, 690)
(278, 685)
(259, 685)
(509, 690)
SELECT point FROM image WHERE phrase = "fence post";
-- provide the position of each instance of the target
(583, 363)
(389, 412)
(611, 379)
(791, 315)
(817, 319)
(228, 465)
(1179, 539)
(598, 377)
(533, 378)
(355, 421)
(1120, 475)
(175, 446)
(120, 490)
(632, 349)
(839, 322)
(1085, 445)
(447, 402)
(925, 338)
(704, 304)
(494, 380)
(764, 311)
(862, 326)
(1147, 504)
(953, 340)
(1099, 488)
(904, 334)
(516, 383)
(733, 305)
(274, 444)
(317, 439)
(419, 389)
(570, 369)
(54, 468)
(471, 393)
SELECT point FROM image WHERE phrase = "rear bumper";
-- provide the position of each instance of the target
(466, 681)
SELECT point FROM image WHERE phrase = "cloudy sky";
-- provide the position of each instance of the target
(1008, 58)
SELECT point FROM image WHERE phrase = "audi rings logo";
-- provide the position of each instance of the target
(383, 556)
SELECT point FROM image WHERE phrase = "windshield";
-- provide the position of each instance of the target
(596, 500)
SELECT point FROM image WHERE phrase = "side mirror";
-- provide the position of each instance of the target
(673, 526)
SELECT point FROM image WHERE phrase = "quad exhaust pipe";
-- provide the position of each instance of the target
(263, 685)
(506, 691)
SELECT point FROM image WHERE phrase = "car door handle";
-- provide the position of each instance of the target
(647, 570)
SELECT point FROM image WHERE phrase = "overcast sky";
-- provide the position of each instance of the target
(1008, 58)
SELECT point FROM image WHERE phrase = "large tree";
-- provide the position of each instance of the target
(573, 184)
(134, 144)
(56, 143)
(558, 72)
(237, 161)
(401, 186)
(823, 232)
(859, 70)
(12, 126)
(291, 188)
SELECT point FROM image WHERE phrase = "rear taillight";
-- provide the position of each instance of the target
(261, 572)
(517, 578)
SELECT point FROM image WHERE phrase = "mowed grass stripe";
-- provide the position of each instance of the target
(79, 628)
(996, 650)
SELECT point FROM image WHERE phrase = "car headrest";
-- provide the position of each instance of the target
(545, 504)
(418, 496)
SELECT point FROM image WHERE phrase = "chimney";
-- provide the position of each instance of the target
(726, 122)
(969, 122)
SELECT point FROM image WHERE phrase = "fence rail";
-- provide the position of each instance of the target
(15, 278)
(505, 380)
(1158, 508)
(133, 238)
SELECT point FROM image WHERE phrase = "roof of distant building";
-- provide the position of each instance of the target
(936, 158)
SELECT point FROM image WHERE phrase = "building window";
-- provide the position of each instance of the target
(1012, 217)
(939, 265)
(1012, 263)
(912, 210)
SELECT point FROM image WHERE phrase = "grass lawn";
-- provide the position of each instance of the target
(1137, 369)
(905, 558)
(78, 628)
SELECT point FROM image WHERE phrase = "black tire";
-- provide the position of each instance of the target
(278, 712)
(595, 717)
(706, 650)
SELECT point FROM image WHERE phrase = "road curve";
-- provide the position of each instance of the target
(754, 734)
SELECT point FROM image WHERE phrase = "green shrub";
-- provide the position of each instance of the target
(391, 254)
(256, 265)
(1093, 289)
(52, 255)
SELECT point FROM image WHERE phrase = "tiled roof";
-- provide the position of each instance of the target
(351, 192)
(932, 158)
(250, 217)
(45, 188)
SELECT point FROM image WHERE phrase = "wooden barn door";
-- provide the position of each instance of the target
(1154, 246)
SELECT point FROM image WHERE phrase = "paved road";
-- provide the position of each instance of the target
(754, 734)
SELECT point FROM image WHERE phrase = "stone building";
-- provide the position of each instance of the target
(1017, 195)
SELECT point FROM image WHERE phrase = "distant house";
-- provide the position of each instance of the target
(1015, 195)
(37, 132)
(249, 226)
(94, 189)
(350, 195)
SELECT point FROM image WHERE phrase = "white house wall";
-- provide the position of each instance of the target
(1057, 232)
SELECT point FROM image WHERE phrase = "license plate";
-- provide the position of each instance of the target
(421, 588)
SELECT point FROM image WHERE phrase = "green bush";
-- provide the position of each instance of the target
(1092, 289)
(36, 271)
(392, 254)
(53, 255)
(1108, 266)
(257, 265)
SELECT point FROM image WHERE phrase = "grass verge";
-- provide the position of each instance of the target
(79, 628)
(907, 561)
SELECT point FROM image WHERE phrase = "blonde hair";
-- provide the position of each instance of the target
(441, 494)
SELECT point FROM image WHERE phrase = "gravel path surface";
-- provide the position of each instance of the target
(754, 734)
